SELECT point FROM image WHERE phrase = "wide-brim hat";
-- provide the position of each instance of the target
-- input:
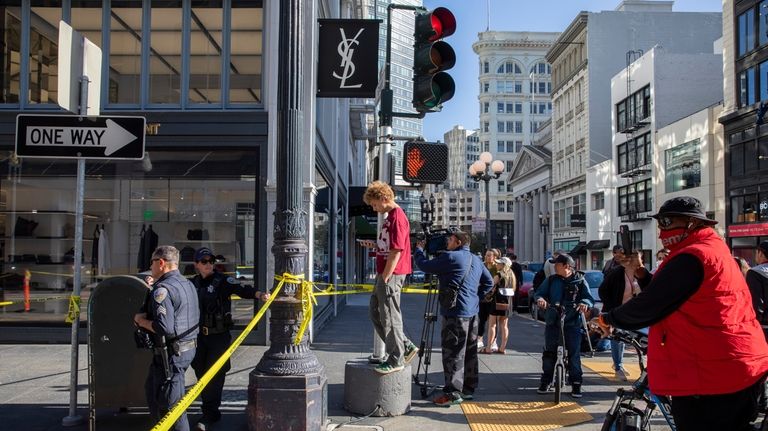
(684, 206)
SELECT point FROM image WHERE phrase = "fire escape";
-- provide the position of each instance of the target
(637, 119)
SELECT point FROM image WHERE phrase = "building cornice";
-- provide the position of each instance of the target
(568, 36)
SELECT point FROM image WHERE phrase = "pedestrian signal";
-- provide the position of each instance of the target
(425, 162)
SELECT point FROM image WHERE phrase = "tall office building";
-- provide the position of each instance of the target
(515, 86)
(402, 88)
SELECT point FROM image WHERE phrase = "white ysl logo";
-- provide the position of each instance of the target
(346, 51)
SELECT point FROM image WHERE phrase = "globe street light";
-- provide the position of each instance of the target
(485, 170)
(544, 227)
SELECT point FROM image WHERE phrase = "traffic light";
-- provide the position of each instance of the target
(431, 58)
(425, 162)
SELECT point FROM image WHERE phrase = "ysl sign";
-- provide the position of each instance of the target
(348, 58)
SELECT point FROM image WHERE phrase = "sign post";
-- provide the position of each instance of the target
(80, 65)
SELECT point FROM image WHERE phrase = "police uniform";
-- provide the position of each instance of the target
(214, 338)
(175, 314)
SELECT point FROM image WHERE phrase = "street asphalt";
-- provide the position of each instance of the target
(34, 380)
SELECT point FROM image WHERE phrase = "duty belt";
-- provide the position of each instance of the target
(211, 331)
(187, 345)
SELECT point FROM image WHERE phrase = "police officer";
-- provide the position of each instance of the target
(214, 290)
(172, 315)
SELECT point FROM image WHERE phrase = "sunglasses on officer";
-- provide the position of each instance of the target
(207, 261)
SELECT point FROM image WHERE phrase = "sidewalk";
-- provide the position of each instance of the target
(34, 379)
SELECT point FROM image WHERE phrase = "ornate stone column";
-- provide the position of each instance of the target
(287, 389)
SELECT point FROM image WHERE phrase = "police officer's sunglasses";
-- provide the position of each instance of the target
(207, 261)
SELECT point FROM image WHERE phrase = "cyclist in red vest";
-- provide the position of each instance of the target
(705, 347)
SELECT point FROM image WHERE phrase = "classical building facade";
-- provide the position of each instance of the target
(514, 96)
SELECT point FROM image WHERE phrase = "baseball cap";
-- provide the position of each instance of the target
(505, 260)
(203, 252)
(564, 258)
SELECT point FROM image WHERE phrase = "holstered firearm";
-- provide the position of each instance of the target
(161, 351)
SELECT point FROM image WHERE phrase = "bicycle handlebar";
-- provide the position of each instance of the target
(635, 338)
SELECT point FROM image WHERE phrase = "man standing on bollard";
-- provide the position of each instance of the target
(214, 290)
(463, 280)
(393, 263)
(172, 315)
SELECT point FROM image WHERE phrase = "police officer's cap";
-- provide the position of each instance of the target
(203, 252)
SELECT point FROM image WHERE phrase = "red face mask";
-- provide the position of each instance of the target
(671, 237)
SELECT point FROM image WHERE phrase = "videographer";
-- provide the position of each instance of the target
(172, 316)
(463, 280)
(705, 347)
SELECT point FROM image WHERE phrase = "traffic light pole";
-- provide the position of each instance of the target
(385, 145)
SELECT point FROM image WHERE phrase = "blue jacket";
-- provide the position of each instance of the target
(555, 290)
(451, 266)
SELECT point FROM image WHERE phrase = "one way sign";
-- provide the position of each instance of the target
(67, 136)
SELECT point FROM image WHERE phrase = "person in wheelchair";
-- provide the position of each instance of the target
(705, 347)
(569, 289)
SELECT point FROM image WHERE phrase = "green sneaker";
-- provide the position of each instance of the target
(410, 352)
(387, 368)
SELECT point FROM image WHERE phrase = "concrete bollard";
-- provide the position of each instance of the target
(364, 389)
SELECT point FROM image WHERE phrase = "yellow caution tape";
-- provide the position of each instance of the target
(180, 407)
(307, 300)
(3, 304)
(74, 309)
(49, 298)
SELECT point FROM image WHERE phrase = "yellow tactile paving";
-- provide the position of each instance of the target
(522, 416)
(604, 367)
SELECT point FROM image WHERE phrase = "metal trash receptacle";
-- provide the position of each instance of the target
(117, 369)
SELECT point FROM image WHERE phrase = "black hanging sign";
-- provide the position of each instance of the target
(348, 58)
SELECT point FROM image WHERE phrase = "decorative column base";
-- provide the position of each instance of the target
(288, 403)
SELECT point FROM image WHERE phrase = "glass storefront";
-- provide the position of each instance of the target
(186, 199)
(179, 53)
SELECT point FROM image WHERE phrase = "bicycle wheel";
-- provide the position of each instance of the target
(559, 374)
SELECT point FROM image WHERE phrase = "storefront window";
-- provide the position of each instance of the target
(322, 227)
(245, 71)
(43, 51)
(125, 52)
(744, 208)
(205, 52)
(10, 32)
(189, 200)
(165, 52)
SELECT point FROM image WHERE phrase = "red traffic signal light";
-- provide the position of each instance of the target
(425, 162)
(431, 57)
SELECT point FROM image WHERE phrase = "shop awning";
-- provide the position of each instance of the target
(598, 244)
(579, 249)
(363, 229)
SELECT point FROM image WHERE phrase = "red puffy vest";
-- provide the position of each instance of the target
(713, 343)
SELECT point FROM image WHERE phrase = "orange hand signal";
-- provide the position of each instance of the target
(414, 162)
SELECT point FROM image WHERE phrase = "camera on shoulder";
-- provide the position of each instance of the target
(437, 239)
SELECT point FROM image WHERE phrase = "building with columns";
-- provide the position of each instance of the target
(529, 183)
(514, 99)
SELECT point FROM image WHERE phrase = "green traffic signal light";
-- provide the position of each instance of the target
(431, 57)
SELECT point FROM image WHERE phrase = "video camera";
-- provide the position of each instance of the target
(436, 239)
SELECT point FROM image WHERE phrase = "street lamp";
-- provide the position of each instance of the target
(544, 227)
(427, 211)
(485, 170)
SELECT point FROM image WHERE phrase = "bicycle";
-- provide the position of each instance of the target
(624, 414)
(561, 363)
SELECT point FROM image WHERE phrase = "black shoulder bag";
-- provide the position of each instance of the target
(448, 295)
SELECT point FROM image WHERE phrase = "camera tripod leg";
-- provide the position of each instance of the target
(426, 343)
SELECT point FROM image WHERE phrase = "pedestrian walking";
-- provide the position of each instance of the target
(487, 303)
(504, 285)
